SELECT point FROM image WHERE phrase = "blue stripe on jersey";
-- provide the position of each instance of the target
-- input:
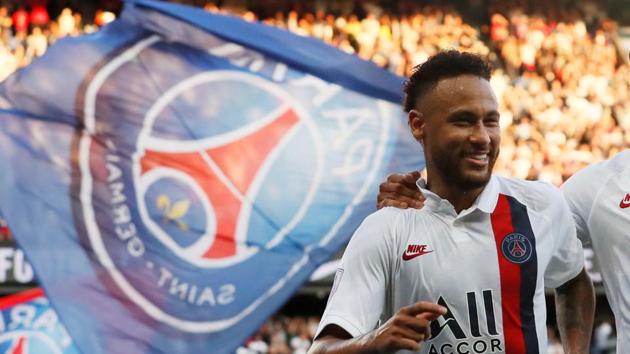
(529, 275)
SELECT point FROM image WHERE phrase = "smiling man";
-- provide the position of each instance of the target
(466, 273)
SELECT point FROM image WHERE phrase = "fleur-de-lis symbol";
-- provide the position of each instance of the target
(173, 213)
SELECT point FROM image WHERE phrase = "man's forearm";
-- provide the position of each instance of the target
(331, 345)
(404, 331)
(575, 309)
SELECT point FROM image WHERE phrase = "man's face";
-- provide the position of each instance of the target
(457, 122)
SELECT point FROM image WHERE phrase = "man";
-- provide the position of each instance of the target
(599, 199)
(466, 273)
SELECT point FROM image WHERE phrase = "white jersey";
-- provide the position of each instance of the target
(488, 265)
(599, 197)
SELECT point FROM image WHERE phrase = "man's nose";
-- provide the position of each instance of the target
(480, 135)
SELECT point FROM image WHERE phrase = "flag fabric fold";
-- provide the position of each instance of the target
(176, 176)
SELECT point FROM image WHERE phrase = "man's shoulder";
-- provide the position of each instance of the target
(621, 161)
(536, 195)
(584, 187)
(389, 216)
(598, 171)
(383, 227)
(391, 220)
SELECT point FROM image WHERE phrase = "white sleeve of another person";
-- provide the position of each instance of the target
(567, 259)
(580, 191)
(357, 298)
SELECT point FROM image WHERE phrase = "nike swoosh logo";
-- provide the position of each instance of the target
(625, 202)
(411, 255)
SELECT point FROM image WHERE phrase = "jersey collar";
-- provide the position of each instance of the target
(486, 202)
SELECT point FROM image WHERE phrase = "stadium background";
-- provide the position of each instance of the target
(562, 78)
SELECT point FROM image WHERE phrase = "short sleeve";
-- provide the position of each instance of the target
(580, 194)
(567, 260)
(357, 298)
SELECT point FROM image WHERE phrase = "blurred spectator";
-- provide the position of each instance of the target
(36, 43)
(20, 20)
(5, 233)
(5, 24)
(8, 62)
(39, 16)
(103, 17)
(66, 23)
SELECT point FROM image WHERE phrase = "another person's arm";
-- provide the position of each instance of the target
(573, 301)
(400, 191)
(575, 296)
(575, 308)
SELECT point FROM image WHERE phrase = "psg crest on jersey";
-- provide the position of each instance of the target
(517, 248)
(172, 193)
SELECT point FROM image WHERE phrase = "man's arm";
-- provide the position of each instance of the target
(400, 191)
(575, 310)
(405, 331)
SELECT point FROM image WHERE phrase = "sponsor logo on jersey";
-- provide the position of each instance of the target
(517, 248)
(625, 202)
(414, 251)
(455, 333)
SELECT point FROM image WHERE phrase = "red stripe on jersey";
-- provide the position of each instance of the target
(510, 278)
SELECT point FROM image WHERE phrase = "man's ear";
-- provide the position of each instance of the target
(416, 123)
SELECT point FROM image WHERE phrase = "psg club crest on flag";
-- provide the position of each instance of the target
(213, 193)
(517, 248)
(188, 171)
(28, 325)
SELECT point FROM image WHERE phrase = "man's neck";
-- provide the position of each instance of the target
(461, 199)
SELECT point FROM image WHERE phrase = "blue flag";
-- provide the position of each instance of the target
(28, 325)
(176, 176)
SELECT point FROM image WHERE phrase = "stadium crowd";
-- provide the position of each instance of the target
(282, 335)
(561, 81)
(562, 84)
(26, 32)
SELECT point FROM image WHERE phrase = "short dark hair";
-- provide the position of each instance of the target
(447, 64)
